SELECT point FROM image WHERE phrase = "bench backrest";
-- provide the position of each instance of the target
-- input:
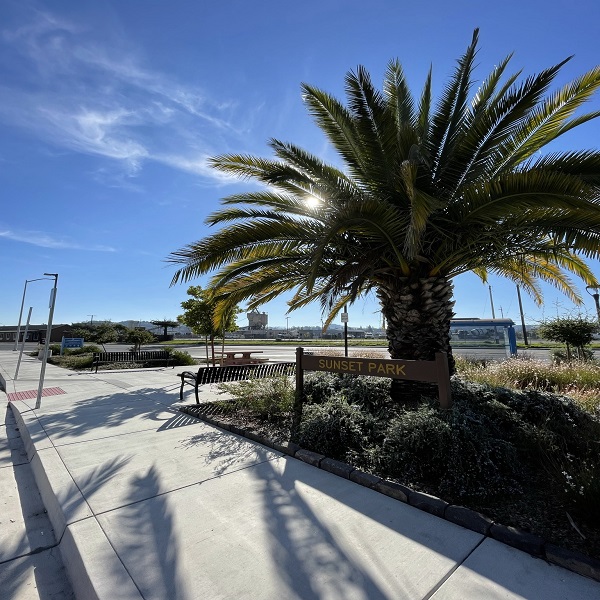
(239, 372)
(126, 356)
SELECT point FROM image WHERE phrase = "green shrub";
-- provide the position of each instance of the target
(270, 398)
(87, 349)
(370, 393)
(335, 428)
(458, 452)
(83, 361)
(319, 387)
(582, 489)
(180, 358)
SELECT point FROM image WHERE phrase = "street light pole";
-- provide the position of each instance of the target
(493, 315)
(21, 311)
(595, 296)
(38, 402)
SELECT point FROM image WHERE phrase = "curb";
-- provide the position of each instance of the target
(94, 569)
(459, 515)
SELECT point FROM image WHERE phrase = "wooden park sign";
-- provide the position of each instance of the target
(434, 371)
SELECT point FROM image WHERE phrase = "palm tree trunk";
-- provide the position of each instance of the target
(418, 313)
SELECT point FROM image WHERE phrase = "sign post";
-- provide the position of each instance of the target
(70, 343)
(345, 322)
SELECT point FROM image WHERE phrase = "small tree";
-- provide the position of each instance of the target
(98, 333)
(121, 332)
(139, 337)
(572, 331)
(200, 317)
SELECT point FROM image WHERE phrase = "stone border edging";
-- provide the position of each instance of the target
(464, 517)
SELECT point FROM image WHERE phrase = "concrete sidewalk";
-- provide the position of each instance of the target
(147, 502)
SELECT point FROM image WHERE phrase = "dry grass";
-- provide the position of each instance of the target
(576, 379)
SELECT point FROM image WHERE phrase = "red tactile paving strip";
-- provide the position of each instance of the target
(28, 394)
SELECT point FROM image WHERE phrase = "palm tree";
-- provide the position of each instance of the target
(425, 192)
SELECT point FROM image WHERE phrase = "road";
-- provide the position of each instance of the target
(279, 352)
(288, 353)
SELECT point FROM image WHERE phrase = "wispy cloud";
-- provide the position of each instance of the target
(99, 99)
(38, 238)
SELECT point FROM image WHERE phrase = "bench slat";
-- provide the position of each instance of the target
(141, 356)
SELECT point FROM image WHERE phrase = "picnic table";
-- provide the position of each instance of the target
(241, 357)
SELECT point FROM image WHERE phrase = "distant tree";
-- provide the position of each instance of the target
(121, 332)
(97, 333)
(201, 317)
(165, 324)
(577, 332)
(139, 337)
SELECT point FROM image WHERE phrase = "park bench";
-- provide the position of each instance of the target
(141, 356)
(233, 373)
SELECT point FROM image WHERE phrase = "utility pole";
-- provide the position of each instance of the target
(526, 342)
(492, 302)
(91, 319)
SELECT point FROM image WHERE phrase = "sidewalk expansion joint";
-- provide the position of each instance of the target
(453, 570)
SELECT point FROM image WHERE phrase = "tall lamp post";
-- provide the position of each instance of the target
(593, 291)
(21, 311)
(48, 334)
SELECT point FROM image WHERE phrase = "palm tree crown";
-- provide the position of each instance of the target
(426, 192)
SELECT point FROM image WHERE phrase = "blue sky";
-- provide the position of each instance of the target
(110, 109)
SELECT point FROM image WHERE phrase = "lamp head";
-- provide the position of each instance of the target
(592, 290)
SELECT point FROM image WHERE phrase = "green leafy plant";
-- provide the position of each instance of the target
(83, 361)
(335, 428)
(202, 316)
(576, 332)
(103, 332)
(269, 398)
(139, 337)
(180, 357)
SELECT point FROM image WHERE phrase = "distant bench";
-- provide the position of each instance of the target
(131, 357)
(233, 373)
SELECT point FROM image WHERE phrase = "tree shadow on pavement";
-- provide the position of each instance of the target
(106, 414)
(227, 452)
(146, 543)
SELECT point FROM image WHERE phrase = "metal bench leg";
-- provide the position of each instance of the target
(181, 390)
(196, 390)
